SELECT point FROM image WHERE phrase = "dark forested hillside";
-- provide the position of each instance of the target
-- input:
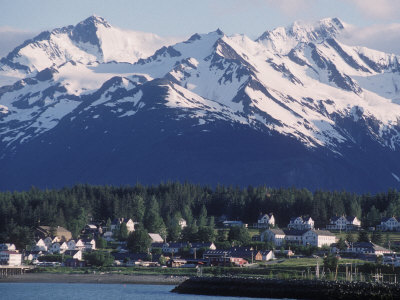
(156, 207)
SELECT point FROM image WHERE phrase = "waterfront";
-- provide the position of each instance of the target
(76, 291)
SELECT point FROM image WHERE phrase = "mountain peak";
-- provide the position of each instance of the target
(95, 21)
(86, 31)
(283, 39)
(219, 32)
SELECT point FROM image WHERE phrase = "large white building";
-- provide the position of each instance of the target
(304, 237)
(318, 238)
(11, 258)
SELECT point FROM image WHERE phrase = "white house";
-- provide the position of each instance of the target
(71, 244)
(353, 222)
(76, 254)
(156, 238)
(389, 224)
(11, 258)
(301, 223)
(80, 245)
(130, 225)
(344, 223)
(116, 223)
(276, 236)
(265, 255)
(266, 220)
(63, 247)
(182, 223)
(40, 246)
(55, 248)
(51, 240)
(90, 244)
(318, 238)
(7, 246)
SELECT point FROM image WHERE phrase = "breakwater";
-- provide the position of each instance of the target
(294, 289)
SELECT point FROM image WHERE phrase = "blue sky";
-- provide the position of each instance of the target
(181, 18)
(184, 17)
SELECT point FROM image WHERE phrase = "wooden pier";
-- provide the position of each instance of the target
(6, 271)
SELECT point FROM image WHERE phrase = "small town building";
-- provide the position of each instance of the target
(90, 244)
(235, 255)
(55, 248)
(368, 248)
(294, 236)
(176, 262)
(71, 244)
(265, 255)
(266, 221)
(63, 247)
(226, 261)
(389, 224)
(32, 255)
(344, 223)
(7, 246)
(80, 245)
(318, 238)
(40, 246)
(182, 223)
(301, 223)
(156, 238)
(76, 254)
(276, 236)
(10, 258)
(116, 223)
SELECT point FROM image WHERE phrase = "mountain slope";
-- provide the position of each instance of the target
(92, 40)
(294, 107)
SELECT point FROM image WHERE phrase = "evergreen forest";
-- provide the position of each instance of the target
(159, 207)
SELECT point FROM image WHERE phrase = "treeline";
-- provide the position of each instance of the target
(159, 207)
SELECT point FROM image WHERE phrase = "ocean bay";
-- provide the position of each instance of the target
(76, 291)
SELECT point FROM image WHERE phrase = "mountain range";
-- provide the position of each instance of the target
(93, 103)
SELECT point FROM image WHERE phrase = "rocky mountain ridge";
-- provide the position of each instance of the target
(293, 107)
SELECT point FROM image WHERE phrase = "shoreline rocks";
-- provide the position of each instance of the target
(293, 289)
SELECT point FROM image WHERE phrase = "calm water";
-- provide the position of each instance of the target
(66, 291)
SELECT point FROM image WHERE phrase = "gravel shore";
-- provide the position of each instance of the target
(95, 278)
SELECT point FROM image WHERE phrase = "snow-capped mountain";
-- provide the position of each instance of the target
(93, 40)
(293, 107)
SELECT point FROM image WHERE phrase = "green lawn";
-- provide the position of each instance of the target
(393, 236)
